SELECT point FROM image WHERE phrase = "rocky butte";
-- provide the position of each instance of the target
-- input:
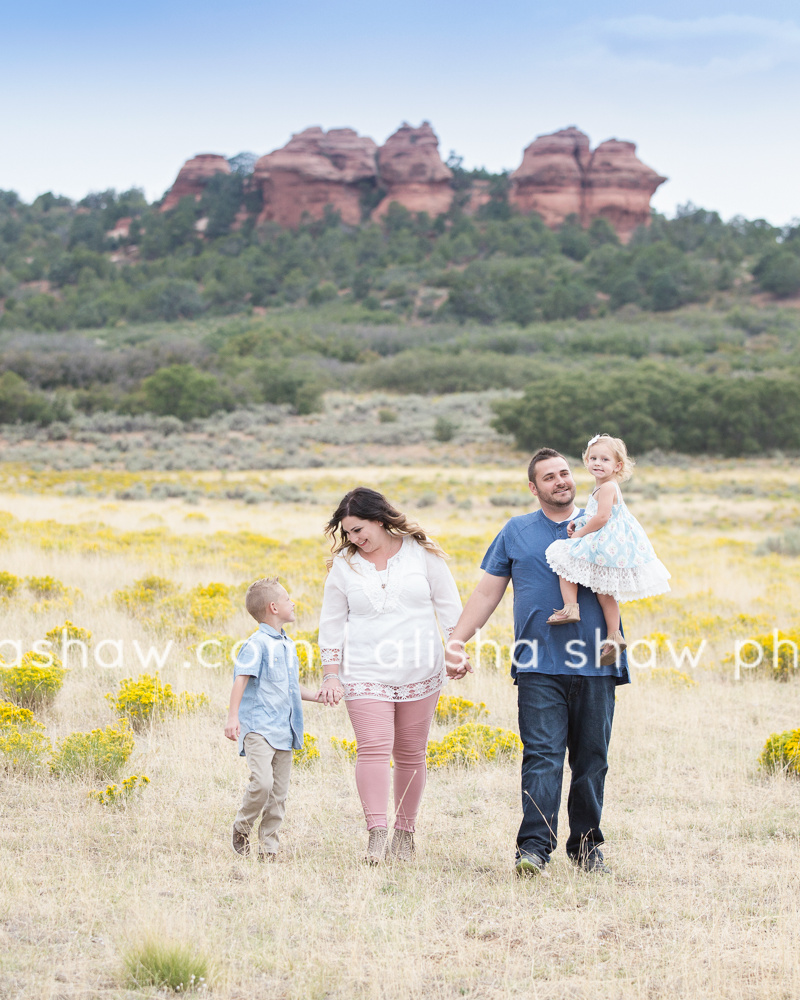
(193, 177)
(560, 175)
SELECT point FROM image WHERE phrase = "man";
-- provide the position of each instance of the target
(565, 698)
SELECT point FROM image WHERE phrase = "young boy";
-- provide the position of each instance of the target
(266, 715)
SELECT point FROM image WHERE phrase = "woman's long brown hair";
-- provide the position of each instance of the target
(369, 505)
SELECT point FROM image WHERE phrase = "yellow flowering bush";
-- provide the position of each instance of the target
(310, 662)
(143, 593)
(56, 635)
(45, 587)
(120, 795)
(23, 745)
(102, 753)
(219, 654)
(23, 749)
(454, 709)
(147, 700)
(346, 748)
(472, 743)
(210, 603)
(34, 682)
(673, 677)
(489, 655)
(308, 752)
(782, 753)
(9, 584)
(780, 667)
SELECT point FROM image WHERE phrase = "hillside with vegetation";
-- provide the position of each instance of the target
(685, 339)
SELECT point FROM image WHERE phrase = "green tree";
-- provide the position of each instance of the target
(183, 391)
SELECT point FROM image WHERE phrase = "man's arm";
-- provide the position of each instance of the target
(232, 725)
(477, 611)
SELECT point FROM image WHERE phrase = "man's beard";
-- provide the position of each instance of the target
(563, 499)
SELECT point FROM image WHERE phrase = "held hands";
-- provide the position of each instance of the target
(331, 691)
(456, 660)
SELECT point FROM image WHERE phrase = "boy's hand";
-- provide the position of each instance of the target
(232, 728)
(331, 691)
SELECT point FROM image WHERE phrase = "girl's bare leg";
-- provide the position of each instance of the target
(569, 591)
(610, 612)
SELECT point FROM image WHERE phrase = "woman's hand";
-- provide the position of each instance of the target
(456, 660)
(331, 691)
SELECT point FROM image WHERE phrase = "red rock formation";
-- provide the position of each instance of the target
(550, 178)
(619, 187)
(315, 169)
(412, 172)
(193, 177)
(559, 176)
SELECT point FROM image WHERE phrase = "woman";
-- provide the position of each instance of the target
(382, 650)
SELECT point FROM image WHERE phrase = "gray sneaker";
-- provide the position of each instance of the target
(593, 863)
(530, 866)
(240, 843)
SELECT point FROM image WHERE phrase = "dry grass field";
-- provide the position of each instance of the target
(704, 900)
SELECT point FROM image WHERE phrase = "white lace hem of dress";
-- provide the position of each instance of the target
(624, 583)
(394, 692)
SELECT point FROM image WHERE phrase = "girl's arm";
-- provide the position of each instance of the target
(605, 501)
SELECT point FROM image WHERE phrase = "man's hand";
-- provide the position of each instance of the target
(232, 727)
(456, 660)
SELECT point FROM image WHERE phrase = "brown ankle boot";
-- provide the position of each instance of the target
(376, 848)
(402, 848)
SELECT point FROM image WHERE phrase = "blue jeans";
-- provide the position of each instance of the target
(559, 713)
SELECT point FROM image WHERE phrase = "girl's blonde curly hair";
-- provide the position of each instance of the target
(618, 450)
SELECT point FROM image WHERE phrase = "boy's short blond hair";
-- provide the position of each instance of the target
(259, 594)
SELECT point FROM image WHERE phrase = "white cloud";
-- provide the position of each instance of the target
(726, 45)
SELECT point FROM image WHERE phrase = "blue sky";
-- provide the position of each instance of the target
(99, 95)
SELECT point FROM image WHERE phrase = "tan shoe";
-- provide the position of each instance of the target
(402, 848)
(609, 653)
(376, 848)
(240, 842)
(568, 615)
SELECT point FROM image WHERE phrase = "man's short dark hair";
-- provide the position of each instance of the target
(541, 455)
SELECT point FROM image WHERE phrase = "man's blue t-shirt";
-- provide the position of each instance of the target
(518, 552)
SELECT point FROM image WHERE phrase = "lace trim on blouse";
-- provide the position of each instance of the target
(394, 692)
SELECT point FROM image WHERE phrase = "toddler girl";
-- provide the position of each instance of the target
(607, 549)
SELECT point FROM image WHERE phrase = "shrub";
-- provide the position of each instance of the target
(184, 392)
(774, 654)
(673, 677)
(23, 745)
(346, 748)
(511, 500)
(102, 753)
(472, 743)
(310, 661)
(142, 593)
(162, 965)
(147, 700)
(68, 631)
(782, 753)
(45, 586)
(308, 752)
(34, 682)
(209, 603)
(787, 544)
(444, 429)
(9, 584)
(120, 795)
(459, 710)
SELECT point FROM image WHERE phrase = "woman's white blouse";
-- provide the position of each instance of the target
(382, 627)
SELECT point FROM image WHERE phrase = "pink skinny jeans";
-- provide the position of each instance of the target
(396, 730)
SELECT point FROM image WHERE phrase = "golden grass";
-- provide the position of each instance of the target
(705, 848)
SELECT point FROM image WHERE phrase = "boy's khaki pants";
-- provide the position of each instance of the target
(266, 793)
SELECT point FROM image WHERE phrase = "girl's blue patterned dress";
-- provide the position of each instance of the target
(618, 559)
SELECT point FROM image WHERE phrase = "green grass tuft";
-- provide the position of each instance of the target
(163, 965)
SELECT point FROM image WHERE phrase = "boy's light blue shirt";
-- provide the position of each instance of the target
(271, 704)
